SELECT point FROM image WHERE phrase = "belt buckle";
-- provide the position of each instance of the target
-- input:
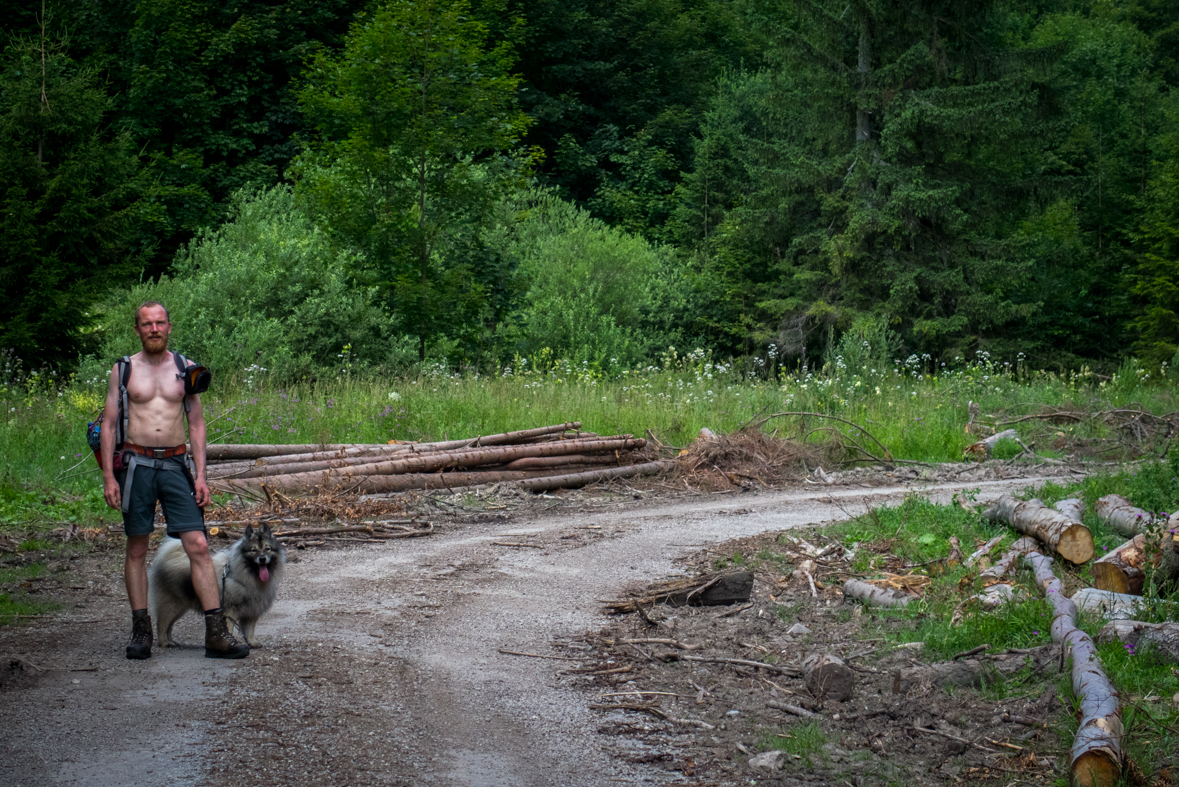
(159, 453)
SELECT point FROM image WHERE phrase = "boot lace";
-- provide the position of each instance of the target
(140, 631)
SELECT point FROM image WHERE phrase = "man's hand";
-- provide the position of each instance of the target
(111, 491)
(202, 493)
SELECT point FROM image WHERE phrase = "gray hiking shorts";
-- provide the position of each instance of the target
(163, 480)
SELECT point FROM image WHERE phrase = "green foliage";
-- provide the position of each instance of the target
(70, 195)
(411, 119)
(265, 294)
(592, 293)
(1156, 279)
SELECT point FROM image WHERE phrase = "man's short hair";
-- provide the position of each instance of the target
(148, 304)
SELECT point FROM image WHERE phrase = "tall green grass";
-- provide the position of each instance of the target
(917, 411)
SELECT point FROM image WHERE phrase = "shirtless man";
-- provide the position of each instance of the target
(155, 443)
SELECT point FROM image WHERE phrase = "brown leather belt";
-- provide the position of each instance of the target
(156, 453)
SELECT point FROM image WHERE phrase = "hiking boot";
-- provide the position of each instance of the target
(219, 642)
(139, 647)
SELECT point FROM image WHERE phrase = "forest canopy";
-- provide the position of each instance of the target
(474, 181)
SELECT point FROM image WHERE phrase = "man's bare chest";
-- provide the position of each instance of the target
(158, 384)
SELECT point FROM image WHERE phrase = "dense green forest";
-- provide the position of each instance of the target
(312, 184)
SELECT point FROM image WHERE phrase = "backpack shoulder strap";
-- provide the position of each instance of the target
(124, 404)
(181, 369)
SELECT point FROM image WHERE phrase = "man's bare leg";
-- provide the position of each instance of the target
(204, 578)
(135, 577)
(219, 642)
(135, 571)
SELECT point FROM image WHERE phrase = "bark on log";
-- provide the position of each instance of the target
(1073, 508)
(977, 672)
(1161, 639)
(437, 460)
(541, 462)
(1121, 515)
(827, 677)
(574, 480)
(1096, 756)
(1107, 603)
(246, 451)
(1065, 537)
(401, 482)
(1122, 570)
(874, 596)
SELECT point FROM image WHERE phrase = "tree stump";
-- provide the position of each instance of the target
(827, 677)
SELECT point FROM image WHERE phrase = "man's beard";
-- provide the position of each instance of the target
(155, 344)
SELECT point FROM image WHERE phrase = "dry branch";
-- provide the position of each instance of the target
(708, 590)
(791, 709)
(985, 549)
(1121, 515)
(1096, 756)
(874, 596)
(996, 589)
(1064, 536)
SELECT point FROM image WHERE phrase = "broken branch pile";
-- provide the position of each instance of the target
(550, 457)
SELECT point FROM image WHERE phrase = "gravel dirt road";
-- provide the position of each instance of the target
(381, 663)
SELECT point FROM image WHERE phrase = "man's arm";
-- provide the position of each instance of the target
(197, 436)
(110, 486)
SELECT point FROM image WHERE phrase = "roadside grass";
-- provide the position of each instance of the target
(917, 532)
(13, 608)
(803, 742)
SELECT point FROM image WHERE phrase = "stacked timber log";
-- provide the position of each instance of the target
(550, 457)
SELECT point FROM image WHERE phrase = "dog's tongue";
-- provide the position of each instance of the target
(264, 574)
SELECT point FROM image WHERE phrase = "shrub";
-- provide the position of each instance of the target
(264, 291)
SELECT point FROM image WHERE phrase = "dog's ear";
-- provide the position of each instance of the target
(264, 530)
(249, 532)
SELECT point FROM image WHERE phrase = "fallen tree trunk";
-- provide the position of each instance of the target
(541, 462)
(1065, 537)
(401, 482)
(573, 480)
(827, 677)
(874, 596)
(976, 672)
(1161, 639)
(1122, 569)
(251, 451)
(1121, 515)
(985, 447)
(1096, 756)
(1107, 603)
(437, 460)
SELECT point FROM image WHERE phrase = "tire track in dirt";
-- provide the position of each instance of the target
(382, 665)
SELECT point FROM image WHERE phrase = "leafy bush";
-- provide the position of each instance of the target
(595, 293)
(265, 291)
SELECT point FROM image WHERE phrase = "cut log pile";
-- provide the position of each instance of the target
(1120, 577)
(551, 457)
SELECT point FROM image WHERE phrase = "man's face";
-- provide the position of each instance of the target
(153, 328)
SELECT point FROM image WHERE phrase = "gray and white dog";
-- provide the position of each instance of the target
(248, 572)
